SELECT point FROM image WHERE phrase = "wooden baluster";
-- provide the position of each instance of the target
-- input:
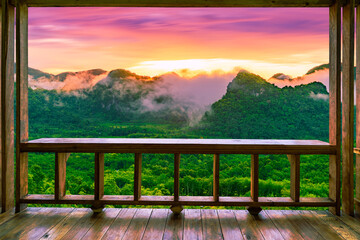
(176, 208)
(348, 109)
(60, 174)
(294, 177)
(137, 176)
(357, 166)
(254, 184)
(216, 177)
(176, 177)
(99, 182)
(335, 103)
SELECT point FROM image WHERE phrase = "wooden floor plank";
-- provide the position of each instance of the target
(248, 225)
(352, 222)
(41, 224)
(324, 229)
(60, 229)
(229, 226)
(156, 225)
(20, 221)
(306, 230)
(285, 228)
(6, 216)
(340, 227)
(211, 224)
(82, 226)
(102, 224)
(192, 225)
(174, 227)
(138, 224)
(120, 224)
(267, 227)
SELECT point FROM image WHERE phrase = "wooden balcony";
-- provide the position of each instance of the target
(132, 223)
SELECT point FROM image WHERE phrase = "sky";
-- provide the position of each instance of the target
(153, 41)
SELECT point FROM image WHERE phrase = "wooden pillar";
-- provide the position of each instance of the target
(99, 176)
(216, 177)
(294, 177)
(7, 106)
(357, 184)
(60, 174)
(22, 122)
(348, 109)
(137, 176)
(335, 103)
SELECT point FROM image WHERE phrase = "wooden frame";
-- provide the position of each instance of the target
(22, 121)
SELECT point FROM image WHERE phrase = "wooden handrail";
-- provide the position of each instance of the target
(193, 145)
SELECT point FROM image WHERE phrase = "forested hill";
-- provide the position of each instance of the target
(254, 108)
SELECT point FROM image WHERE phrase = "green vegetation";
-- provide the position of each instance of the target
(251, 108)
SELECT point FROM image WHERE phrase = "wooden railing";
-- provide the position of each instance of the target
(63, 147)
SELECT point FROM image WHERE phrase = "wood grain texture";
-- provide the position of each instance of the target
(176, 176)
(357, 166)
(99, 176)
(216, 177)
(211, 224)
(294, 177)
(156, 225)
(178, 3)
(174, 228)
(267, 227)
(254, 188)
(137, 176)
(22, 119)
(7, 106)
(138, 224)
(192, 225)
(285, 228)
(186, 146)
(248, 225)
(229, 226)
(335, 103)
(120, 225)
(348, 109)
(60, 174)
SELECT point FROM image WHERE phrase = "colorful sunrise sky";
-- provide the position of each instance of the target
(152, 41)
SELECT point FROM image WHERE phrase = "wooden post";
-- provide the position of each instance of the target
(335, 103)
(348, 109)
(357, 184)
(99, 176)
(99, 182)
(294, 177)
(7, 106)
(22, 130)
(176, 177)
(216, 177)
(60, 174)
(137, 176)
(254, 184)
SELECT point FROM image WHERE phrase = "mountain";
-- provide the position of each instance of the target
(254, 108)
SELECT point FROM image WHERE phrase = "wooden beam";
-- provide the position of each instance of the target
(348, 109)
(176, 177)
(99, 176)
(178, 3)
(7, 106)
(255, 177)
(335, 103)
(216, 177)
(60, 174)
(357, 189)
(22, 122)
(294, 177)
(137, 176)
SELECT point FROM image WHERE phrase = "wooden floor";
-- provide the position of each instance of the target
(131, 223)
